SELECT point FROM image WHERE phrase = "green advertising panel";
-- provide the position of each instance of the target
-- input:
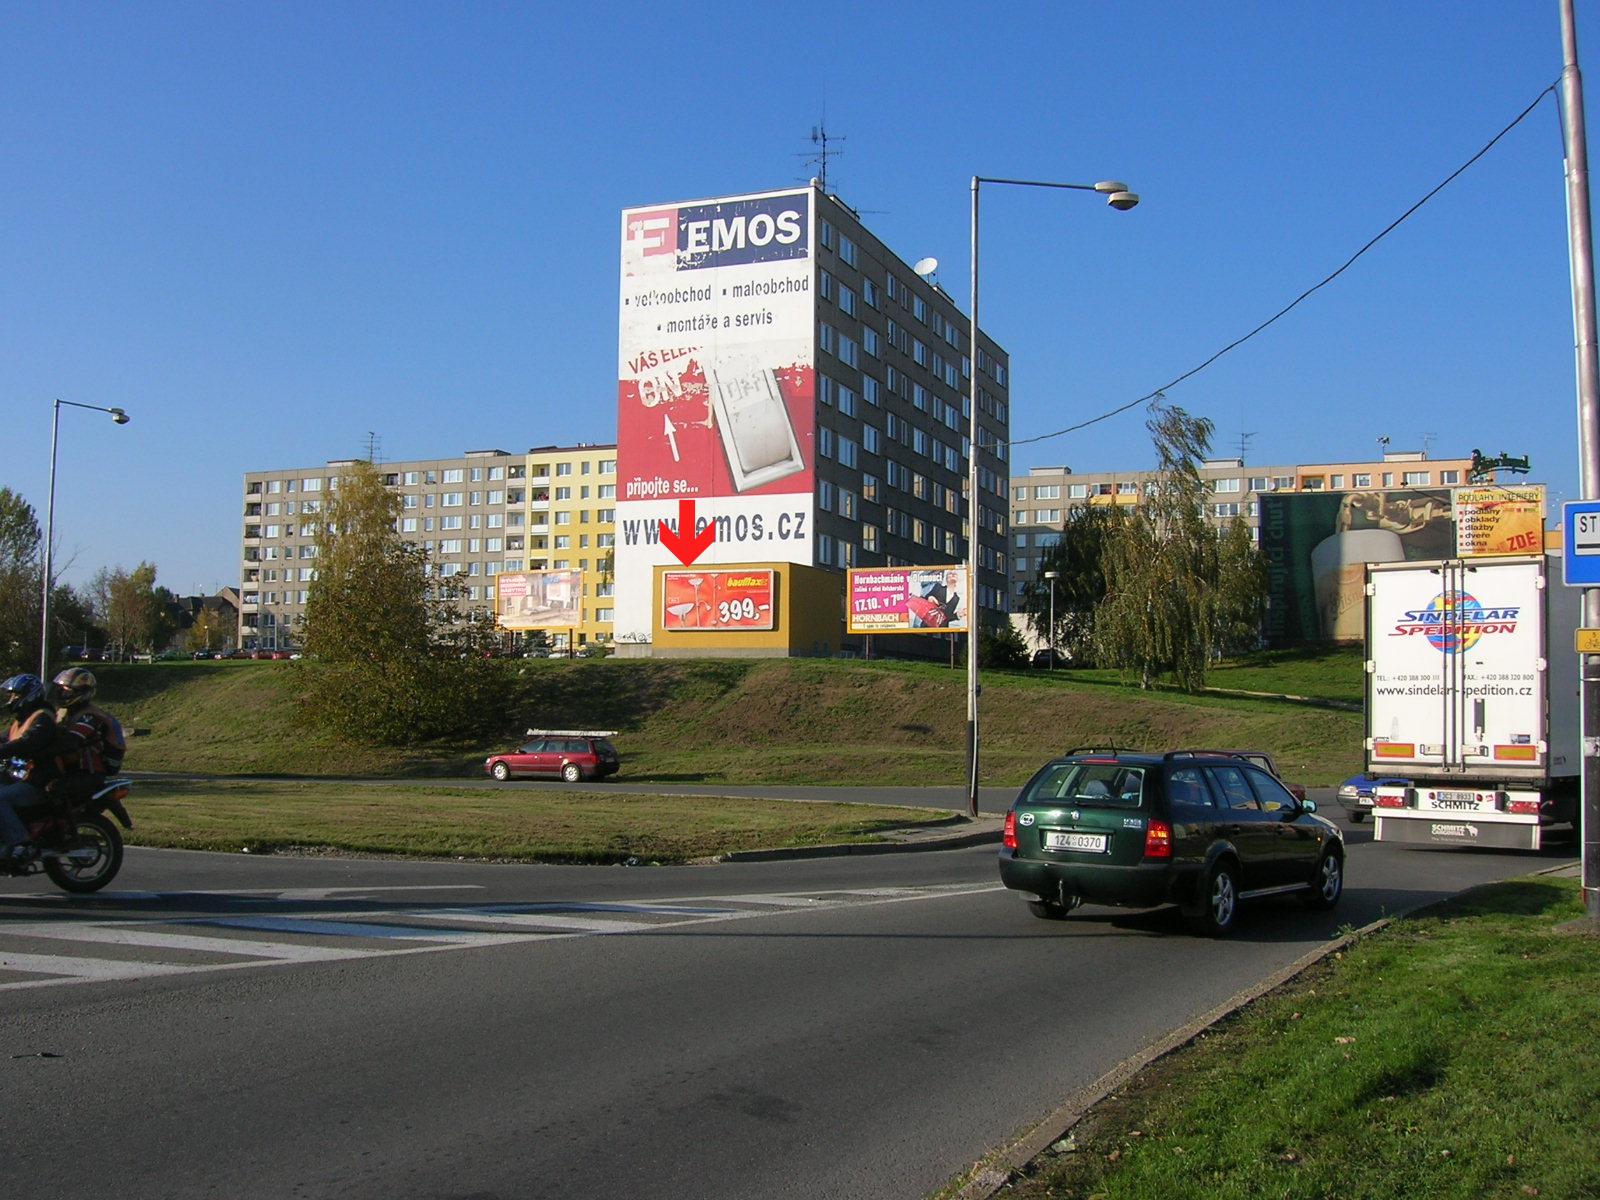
(1317, 546)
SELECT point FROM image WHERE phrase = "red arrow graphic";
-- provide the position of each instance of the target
(687, 545)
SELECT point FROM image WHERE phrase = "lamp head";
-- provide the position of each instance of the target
(1122, 201)
(118, 417)
(1052, 574)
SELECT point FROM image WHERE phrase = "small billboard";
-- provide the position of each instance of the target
(1494, 520)
(716, 600)
(539, 599)
(908, 600)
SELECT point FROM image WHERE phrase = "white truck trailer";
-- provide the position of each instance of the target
(1472, 695)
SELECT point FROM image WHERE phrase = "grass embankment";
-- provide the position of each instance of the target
(1450, 1055)
(543, 826)
(750, 721)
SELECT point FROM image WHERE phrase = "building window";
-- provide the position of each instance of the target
(1077, 491)
(1225, 485)
(847, 250)
(1417, 478)
(1449, 476)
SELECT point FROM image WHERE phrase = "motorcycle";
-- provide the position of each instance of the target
(80, 847)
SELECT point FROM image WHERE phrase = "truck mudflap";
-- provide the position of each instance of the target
(1448, 829)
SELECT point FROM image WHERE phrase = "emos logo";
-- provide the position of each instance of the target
(1455, 621)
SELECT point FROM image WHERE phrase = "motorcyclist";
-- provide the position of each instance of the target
(30, 738)
(89, 743)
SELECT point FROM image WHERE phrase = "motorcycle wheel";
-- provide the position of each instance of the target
(96, 833)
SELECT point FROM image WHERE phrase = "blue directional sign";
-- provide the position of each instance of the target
(1580, 556)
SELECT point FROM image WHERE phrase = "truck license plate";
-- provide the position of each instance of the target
(1095, 843)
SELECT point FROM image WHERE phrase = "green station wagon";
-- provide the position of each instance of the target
(1203, 831)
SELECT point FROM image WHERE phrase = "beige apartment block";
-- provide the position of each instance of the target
(1041, 499)
(479, 515)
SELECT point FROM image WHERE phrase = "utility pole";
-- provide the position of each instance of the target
(1588, 368)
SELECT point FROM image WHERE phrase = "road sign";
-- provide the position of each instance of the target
(1588, 641)
(1580, 554)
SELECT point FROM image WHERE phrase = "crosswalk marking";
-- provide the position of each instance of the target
(354, 928)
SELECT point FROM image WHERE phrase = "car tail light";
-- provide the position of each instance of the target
(1008, 837)
(1158, 840)
(1524, 807)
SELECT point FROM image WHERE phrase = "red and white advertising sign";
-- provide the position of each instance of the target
(716, 385)
(908, 600)
(716, 600)
(539, 599)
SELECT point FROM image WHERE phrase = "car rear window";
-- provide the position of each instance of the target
(1089, 785)
(604, 746)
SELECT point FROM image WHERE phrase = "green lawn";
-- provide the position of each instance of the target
(1452, 1055)
(516, 823)
(770, 721)
(1327, 673)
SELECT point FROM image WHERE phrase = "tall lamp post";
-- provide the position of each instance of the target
(1052, 576)
(1120, 198)
(118, 417)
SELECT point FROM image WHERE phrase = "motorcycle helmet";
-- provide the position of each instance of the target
(73, 688)
(22, 693)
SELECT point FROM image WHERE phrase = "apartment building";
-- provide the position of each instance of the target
(1041, 499)
(807, 390)
(477, 515)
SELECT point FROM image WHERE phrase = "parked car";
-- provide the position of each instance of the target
(571, 754)
(1041, 659)
(1202, 830)
(1356, 793)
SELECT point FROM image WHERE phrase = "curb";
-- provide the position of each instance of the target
(995, 1171)
(988, 831)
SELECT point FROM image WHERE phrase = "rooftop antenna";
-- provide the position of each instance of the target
(374, 446)
(1383, 447)
(1427, 443)
(819, 157)
(1244, 443)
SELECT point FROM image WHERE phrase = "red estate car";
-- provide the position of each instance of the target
(572, 754)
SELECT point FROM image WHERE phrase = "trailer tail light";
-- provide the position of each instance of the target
(1380, 800)
(1008, 837)
(1158, 840)
(1526, 808)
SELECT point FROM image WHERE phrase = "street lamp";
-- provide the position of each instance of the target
(1052, 576)
(118, 417)
(1120, 198)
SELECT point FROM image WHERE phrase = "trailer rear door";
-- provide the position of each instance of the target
(1456, 667)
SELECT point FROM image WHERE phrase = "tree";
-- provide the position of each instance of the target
(210, 631)
(1078, 558)
(1241, 601)
(1161, 565)
(21, 570)
(395, 655)
(369, 600)
(133, 610)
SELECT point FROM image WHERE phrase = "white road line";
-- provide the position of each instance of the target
(86, 968)
(157, 939)
(408, 930)
(551, 921)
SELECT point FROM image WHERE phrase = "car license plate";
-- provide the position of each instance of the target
(1095, 843)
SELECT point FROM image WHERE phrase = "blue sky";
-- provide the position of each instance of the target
(267, 230)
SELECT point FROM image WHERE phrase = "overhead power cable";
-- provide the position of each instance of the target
(1159, 393)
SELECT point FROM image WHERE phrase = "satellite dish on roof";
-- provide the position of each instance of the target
(926, 266)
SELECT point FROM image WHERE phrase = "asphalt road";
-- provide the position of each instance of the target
(826, 1027)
